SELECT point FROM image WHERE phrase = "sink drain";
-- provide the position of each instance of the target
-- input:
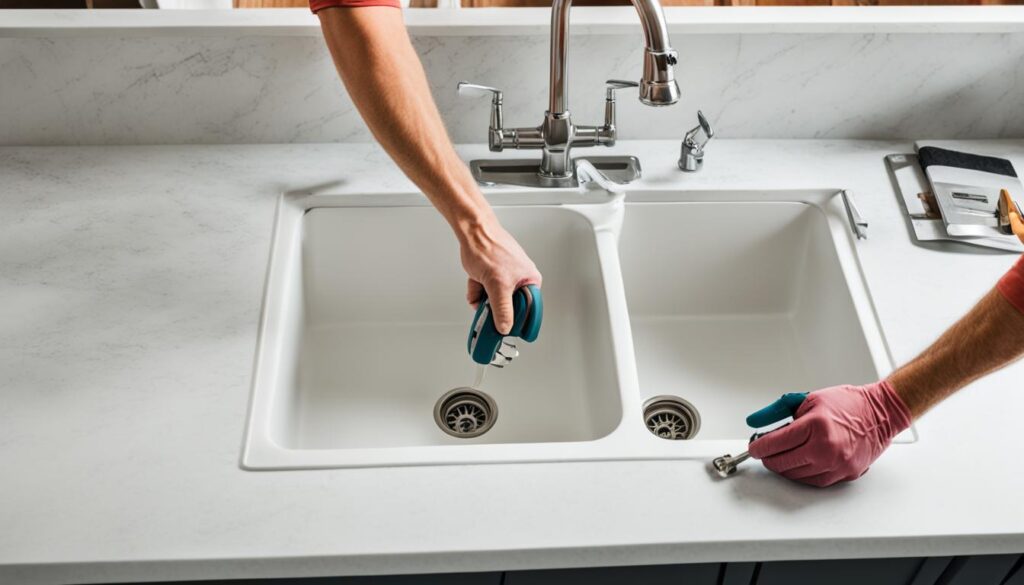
(465, 413)
(670, 417)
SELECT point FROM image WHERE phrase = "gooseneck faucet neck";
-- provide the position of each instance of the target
(657, 87)
(557, 134)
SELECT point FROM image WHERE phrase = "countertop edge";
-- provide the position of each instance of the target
(486, 561)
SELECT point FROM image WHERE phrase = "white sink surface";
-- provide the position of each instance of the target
(726, 299)
(384, 326)
(732, 304)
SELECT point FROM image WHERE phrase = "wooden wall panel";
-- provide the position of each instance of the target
(271, 3)
(542, 3)
(82, 4)
(305, 3)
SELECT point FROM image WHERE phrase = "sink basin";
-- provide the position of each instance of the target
(723, 299)
(755, 303)
(384, 326)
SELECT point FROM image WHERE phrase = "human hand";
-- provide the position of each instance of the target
(836, 434)
(497, 265)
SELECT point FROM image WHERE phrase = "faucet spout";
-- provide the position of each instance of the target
(657, 86)
(557, 134)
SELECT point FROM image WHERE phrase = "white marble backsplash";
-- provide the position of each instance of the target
(271, 89)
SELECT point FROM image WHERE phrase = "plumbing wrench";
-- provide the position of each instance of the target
(785, 407)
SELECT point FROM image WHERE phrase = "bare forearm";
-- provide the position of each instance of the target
(838, 432)
(385, 80)
(986, 339)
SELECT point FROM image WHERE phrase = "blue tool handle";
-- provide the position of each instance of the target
(483, 339)
(534, 315)
(528, 310)
(782, 408)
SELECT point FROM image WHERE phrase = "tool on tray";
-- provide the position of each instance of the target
(951, 195)
(783, 408)
(487, 346)
(1011, 221)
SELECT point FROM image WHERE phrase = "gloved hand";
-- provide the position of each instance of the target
(836, 434)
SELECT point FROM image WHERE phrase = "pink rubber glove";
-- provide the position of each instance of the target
(836, 434)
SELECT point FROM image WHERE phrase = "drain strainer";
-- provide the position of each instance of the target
(465, 413)
(671, 417)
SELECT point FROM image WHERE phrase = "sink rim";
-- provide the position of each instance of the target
(326, 397)
(260, 450)
(628, 440)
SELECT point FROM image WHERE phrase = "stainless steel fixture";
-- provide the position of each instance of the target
(671, 417)
(505, 354)
(465, 413)
(523, 171)
(691, 156)
(858, 224)
(726, 465)
(557, 134)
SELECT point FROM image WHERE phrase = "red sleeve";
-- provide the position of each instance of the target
(318, 5)
(1011, 285)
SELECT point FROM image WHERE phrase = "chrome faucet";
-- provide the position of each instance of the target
(557, 135)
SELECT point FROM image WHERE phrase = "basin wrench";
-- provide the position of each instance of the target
(783, 408)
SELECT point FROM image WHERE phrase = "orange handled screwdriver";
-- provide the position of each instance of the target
(1010, 216)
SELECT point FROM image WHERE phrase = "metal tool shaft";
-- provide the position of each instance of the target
(783, 408)
(726, 465)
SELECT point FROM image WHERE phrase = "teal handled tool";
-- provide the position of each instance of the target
(783, 408)
(487, 346)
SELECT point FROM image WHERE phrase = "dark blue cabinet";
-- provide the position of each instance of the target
(840, 572)
(979, 569)
(702, 574)
(967, 570)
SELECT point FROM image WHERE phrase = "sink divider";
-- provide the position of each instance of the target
(629, 440)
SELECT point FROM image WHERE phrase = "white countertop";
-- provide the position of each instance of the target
(521, 21)
(131, 284)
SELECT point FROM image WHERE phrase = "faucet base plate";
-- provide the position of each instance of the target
(523, 171)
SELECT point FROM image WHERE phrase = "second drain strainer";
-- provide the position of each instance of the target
(671, 417)
(465, 413)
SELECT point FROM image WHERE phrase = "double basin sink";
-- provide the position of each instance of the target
(723, 299)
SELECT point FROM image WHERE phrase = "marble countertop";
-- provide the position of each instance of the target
(521, 21)
(131, 284)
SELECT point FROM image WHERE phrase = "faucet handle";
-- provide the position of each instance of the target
(496, 129)
(467, 89)
(607, 134)
(621, 83)
(691, 156)
(614, 84)
(702, 124)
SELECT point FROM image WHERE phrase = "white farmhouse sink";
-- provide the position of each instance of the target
(724, 299)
